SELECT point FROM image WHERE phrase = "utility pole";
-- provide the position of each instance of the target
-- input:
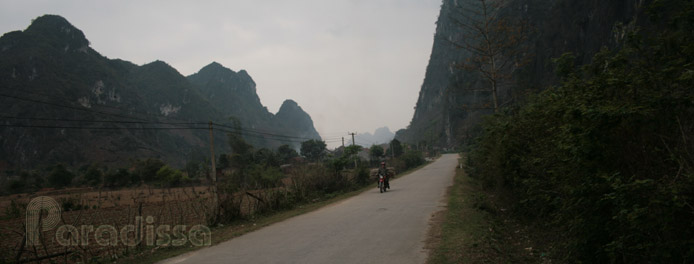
(343, 142)
(356, 154)
(392, 150)
(214, 177)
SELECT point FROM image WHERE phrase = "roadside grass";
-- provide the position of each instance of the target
(238, 228)
(477, 229)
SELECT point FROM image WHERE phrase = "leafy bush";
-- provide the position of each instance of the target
(313, 150)
(17, 185)
(147, 169)
(33, 179)
(607, 156)
(169, 176)
(267, 158)
(396, 146)
(60, 177)
(362, 177)
(120, 178)
(313, 181)
(93, 175)
(286, 153)
(376, 152)
(274, 200)
(339, 164)
(413, 158)
(265, 176)
(398, 164)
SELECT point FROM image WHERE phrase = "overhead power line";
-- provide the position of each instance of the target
(100, 128)
(146, 122)
(130, 111)
(147, 128)
(68, 106)
(262, 133)
(181, 125)
(101, 121)
(261, 137)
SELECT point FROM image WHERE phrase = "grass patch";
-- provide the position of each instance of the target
(478, 229)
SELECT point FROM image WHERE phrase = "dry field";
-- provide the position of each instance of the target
(187, 206)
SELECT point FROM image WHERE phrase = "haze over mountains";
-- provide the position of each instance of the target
(382, 135)
(62, 101)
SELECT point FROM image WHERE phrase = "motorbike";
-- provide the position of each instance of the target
(383, 186)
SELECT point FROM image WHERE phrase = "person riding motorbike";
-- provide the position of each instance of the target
(382, 171)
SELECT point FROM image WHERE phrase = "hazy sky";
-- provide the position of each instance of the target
(353, 65)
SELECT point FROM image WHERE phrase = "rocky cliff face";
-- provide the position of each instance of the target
(54, 87)
(295, 121)
(61, 101)
(451, 100)
(234, 94)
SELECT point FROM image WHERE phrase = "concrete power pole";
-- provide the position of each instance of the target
(215, 195)
(357, 154)
(343, 142)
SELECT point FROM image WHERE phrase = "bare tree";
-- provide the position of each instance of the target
(496, 42)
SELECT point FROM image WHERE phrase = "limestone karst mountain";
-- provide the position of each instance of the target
(62, 101)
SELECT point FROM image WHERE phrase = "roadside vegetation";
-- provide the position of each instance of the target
(254, 187)
(606, 158)
(245, 167)
(477, 227)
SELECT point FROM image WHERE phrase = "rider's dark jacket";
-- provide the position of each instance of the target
(383, 171)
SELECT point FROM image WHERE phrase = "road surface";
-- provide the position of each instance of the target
(368, 228)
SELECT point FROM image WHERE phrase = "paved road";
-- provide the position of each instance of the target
(367, 228)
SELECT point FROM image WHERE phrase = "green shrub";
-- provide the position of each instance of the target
(362, 176)
(120, 178)
(265, 176)
(313, 150)
(286, 153)
(60, 177)
(146, 170)
(17, 185)
(93, 175)
(607, 156)
(413, 158)
(169, 176)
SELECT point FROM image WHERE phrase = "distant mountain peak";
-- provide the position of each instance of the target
(58, 31)
(47, 59)
(235, 95)
(161, 67)
(214, 67)
(380, 136)
(224, 77)
(51, 22)
(384, 129)
(289, 104)
(158, 63)
(218, 70)
(244, 74)
(291, 110)
(292, 115)
(215, 64)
